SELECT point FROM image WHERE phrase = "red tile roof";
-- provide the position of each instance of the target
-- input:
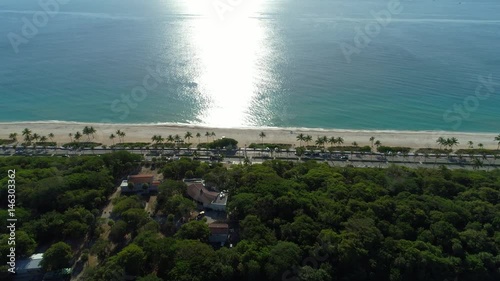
(218, 228)
(138, 179)
(199, 193)
(140, 176)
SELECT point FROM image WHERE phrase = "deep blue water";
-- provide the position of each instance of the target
(264, 63)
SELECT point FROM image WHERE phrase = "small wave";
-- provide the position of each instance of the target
(421, 20)
(81, 14)
(256, 128)
(104, 15)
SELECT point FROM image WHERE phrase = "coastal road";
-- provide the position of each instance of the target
(258, 156)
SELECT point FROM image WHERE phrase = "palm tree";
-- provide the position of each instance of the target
(170, 138)
(332, 141)
(372, 139)
(198, 136)
(27, 135)
(471, 144)
(157, 139)
(89, 131)
(26, 131)
(355, 144)
(480, 145)
(121, 135)
(497, 138)
(70, 135)
(453, 142)
(446, 143)
(441, 141)
(51, 137)
(78, 135)
(301, 138)
(212, 135)
(36, 137)
(177, 138)
(188, 136)
(477, 163)
(86, 131)
(13, 136)
(325, 141)
(307, 139)
(43, 139)
(262, 135)
(340, 140)
(207, 134)
(92, 131)
(319, 141)
(378, 143)
(112, 138)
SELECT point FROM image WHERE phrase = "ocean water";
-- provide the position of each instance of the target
(428, 65)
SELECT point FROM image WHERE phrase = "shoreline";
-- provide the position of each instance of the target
(244, 135)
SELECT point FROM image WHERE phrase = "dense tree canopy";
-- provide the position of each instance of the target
(58, 199)
(58, 256)
(291, 221)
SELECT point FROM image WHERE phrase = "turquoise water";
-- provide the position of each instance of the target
(264, 63)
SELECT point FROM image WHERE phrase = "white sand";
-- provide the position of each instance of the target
(245, 136)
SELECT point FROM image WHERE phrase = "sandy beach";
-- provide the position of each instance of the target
(245, 136)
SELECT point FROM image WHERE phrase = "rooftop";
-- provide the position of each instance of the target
(137, 179)
(221, 198)
(140, 176)
(33, 262)
(218, 225)
(200, 180)
(198, 192)
(219, 228)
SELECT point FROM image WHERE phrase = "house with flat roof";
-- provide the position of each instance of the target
(216, 201)
(136, 184)
(29, 268)
(219, 233)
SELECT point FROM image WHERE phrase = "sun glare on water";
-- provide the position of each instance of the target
(226, 42)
